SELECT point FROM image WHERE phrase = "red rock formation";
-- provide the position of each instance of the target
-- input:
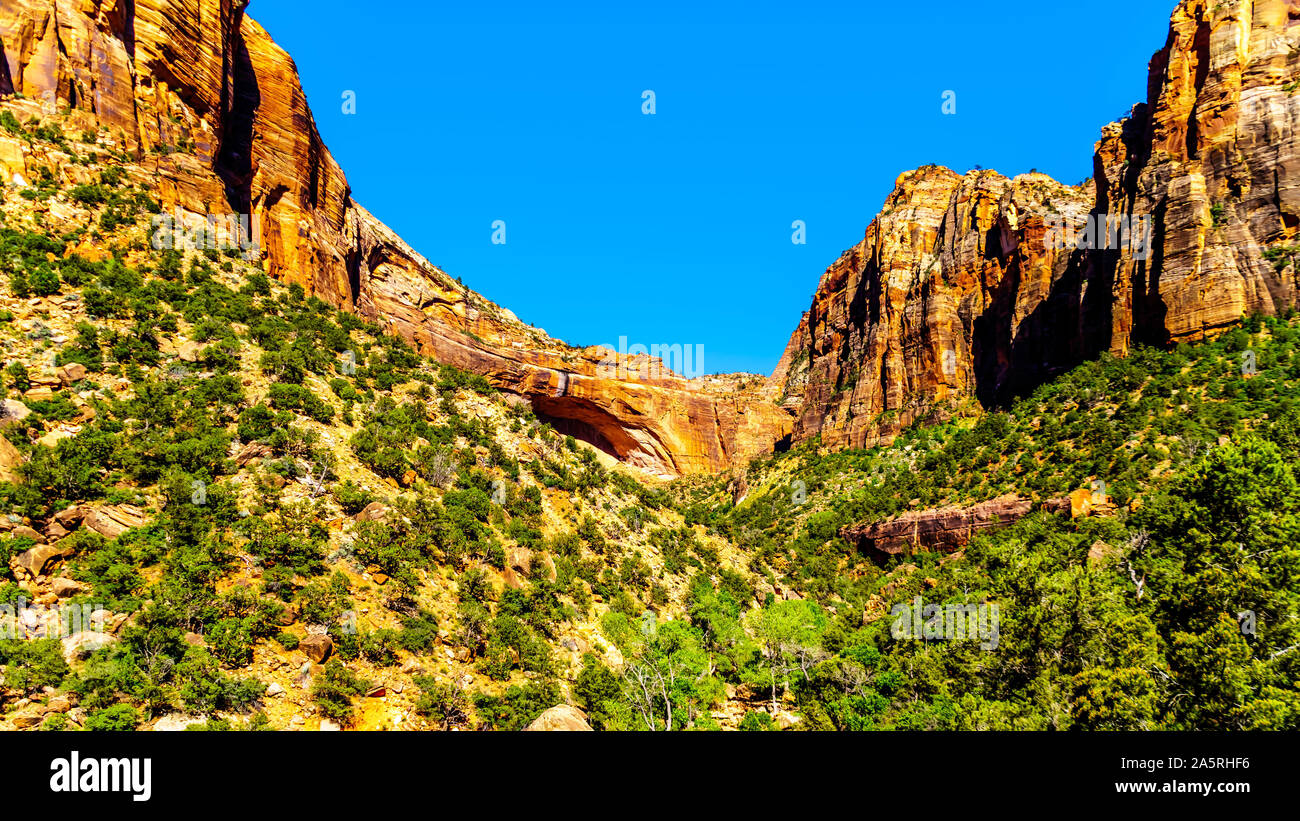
(205, 84)
(944, 529)
(955, 292)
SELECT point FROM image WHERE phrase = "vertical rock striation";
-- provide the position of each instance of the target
(958, 292)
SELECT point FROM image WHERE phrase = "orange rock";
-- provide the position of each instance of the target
(88, 252)
(944, 529)
(955, 291)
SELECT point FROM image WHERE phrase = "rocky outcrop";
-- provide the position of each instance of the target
(215, 112)
(561, 718)
(945, 530)
(33, 563)
(10, 460)
(317, 647)
(964, 288)
(969, 286)
(112, 521)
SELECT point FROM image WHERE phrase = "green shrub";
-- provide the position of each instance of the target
(118, 718)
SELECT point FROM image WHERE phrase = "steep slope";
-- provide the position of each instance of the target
(198, 93)
(967, 287)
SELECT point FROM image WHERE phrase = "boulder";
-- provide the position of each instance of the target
(70, 517)
(250, 452)
(316, 647)
(113, 520)
(72, 373)
(58, 704)
(564, 717)
(12, 412)
(52, 439)
(189, 351)
(34, 562)
(25, 532)
(79, 645)
(66, 588)
(27, 721)
(520, 560)
(511, 579)
(1099, 553)
(372, 512)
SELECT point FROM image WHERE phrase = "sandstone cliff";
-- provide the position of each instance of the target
(958, 290)
(213, 110)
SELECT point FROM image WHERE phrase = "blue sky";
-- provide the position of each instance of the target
(675, 227)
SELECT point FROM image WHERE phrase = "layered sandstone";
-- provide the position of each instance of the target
(957, 292)
(945, 530)
(215, 115)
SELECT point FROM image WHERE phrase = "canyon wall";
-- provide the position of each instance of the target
(204, 101)
(961, 288)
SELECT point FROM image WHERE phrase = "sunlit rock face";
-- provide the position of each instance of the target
(199, 94)
(964, 288)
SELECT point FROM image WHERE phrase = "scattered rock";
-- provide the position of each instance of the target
(176, 722)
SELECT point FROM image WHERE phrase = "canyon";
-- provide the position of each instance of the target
(957, 292)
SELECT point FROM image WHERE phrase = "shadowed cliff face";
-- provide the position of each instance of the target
(206, 82)
(956, 292)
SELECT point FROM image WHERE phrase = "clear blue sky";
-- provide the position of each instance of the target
(675, 228)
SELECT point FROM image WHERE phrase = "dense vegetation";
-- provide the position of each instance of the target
(298, 472)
